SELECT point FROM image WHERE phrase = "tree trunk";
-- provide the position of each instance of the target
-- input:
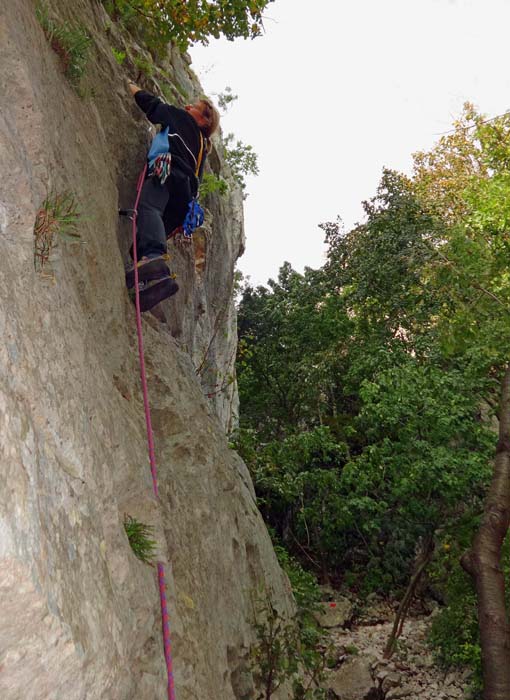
(427, 550)
(482, 562)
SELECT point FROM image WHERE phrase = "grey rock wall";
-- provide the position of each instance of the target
(79, 613)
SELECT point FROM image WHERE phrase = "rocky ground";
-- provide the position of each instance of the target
(363, 674)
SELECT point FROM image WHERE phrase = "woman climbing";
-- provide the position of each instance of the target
(175, 166)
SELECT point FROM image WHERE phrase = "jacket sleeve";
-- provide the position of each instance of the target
(156, 111)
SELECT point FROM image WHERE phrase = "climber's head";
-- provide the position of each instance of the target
(206, 116)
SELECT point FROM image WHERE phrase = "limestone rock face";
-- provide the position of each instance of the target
(79, 613)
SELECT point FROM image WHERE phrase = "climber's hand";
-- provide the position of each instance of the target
(133, 87)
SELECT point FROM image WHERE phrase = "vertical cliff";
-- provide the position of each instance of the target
(80, 614)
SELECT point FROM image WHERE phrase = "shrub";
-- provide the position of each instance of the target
(304, 584)
(120, 56)
(454, 634)
(144, 66)
(71, 44)
(290, 649)
(139, 535)
(58, 215)
(352, 649)
(283, 652)
(212, 184)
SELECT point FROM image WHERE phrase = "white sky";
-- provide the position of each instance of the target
(334, 91)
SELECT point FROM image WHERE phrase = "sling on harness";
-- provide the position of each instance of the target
(159, 157)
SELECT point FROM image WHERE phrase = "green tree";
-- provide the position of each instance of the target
(472, 265)
(293, 340)
(369, 388)
(328, 360)
(241, 158)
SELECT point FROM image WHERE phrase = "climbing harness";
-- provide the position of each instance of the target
(152, 458)
(159, 161)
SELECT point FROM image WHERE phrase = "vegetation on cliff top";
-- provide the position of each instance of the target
(159, 22)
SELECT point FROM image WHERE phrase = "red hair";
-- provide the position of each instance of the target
(211, 116)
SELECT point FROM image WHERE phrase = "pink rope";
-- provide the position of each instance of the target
(152, 455)
(167, 643)
(148, 423)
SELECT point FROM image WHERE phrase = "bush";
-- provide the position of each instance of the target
(454, 632)
(120, 56)
(71, 44)
(57, 216)
(455, 635)
(285, 651)
(212, 184)
(294, 650)
(139, 536)
(144, 66)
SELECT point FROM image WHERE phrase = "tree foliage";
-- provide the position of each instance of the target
(371, 435)
(241, 158)
(369, 387)
(184, 22)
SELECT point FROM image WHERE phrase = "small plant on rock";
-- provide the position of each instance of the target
(212, 184)
(139, 535)
(145, 67)
(171, 90)
(71, 44)
(57, 216)
(119, 56)
(351, 649)
(182, 91)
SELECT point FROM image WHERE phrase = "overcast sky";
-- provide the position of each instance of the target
(334, 91)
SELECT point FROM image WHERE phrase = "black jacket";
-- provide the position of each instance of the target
(185, 138)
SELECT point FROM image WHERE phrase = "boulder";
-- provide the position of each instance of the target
(392, 680)
(335, 613)
(353, 681)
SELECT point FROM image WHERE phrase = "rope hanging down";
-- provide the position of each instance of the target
(152, 458)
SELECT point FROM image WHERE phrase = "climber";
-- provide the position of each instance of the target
(168, 197)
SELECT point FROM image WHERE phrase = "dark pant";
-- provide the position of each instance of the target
(160, 210)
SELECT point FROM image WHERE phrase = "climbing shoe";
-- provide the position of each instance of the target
(153, 291)
(154, 268)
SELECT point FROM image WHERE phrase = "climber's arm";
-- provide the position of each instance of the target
(133, 87)
(156, 111)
